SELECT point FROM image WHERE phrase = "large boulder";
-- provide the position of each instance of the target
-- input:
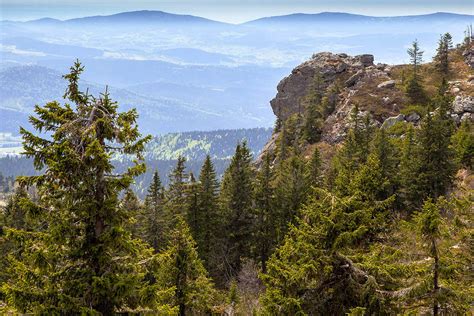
(462, 104)
(413, 117)
(366, 60)
(354, 78)
(387, 84)
(389, 122)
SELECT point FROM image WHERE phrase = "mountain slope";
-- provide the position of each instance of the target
(136, 17)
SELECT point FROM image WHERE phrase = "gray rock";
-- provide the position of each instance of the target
(341, 68)
(456, 118)
(366, 60)
(393, 120)
(468, 55)
(354, 78)
(413, 117)
(462, 104)
(467, 117)
(387, 84)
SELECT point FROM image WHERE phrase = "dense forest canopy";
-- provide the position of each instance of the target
(381, 225)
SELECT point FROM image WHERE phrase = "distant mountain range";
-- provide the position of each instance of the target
(187, 73)
(147, 16)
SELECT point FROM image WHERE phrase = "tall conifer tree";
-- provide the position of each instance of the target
(84, 261)
(237, 202)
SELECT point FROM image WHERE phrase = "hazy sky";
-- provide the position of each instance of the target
(225, 10)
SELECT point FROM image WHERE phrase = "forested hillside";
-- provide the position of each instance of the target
(359, 204)
(162, 152)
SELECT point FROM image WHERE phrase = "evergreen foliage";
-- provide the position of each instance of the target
(181, 280)
(84, 261)
(441, 59)
(414, 87)
(153, 219)
(208, 216)
(237, 207)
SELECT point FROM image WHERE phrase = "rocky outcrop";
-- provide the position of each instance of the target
(468, 55)
(463, 104)
(359, 82)
(330, 66)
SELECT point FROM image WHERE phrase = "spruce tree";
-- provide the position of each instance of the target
(314, 176)
(208, 217)
(463, 145)
(441, 59)
(153, 221)
(237, 206)
(414, 88)
(409, 165)
(429, 222)
(192, 204)
(266, 220)
(131, 204)
(313, 117)
(416, 56)
(85, 261)
(181, 279)
(310, 273)
(290, 192)
(437, 169)
(386, 154)
(176, 193)
(353, 153)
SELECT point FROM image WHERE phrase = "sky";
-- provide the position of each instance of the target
(233, 11)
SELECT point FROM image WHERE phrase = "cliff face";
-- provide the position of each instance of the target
(360, 82)
(375, 88)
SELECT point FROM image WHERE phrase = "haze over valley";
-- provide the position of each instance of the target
(186, 73)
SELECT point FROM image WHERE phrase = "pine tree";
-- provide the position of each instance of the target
(237, 205)
(266, 221)
(153, 221)
(84, 261)
(181, 279)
